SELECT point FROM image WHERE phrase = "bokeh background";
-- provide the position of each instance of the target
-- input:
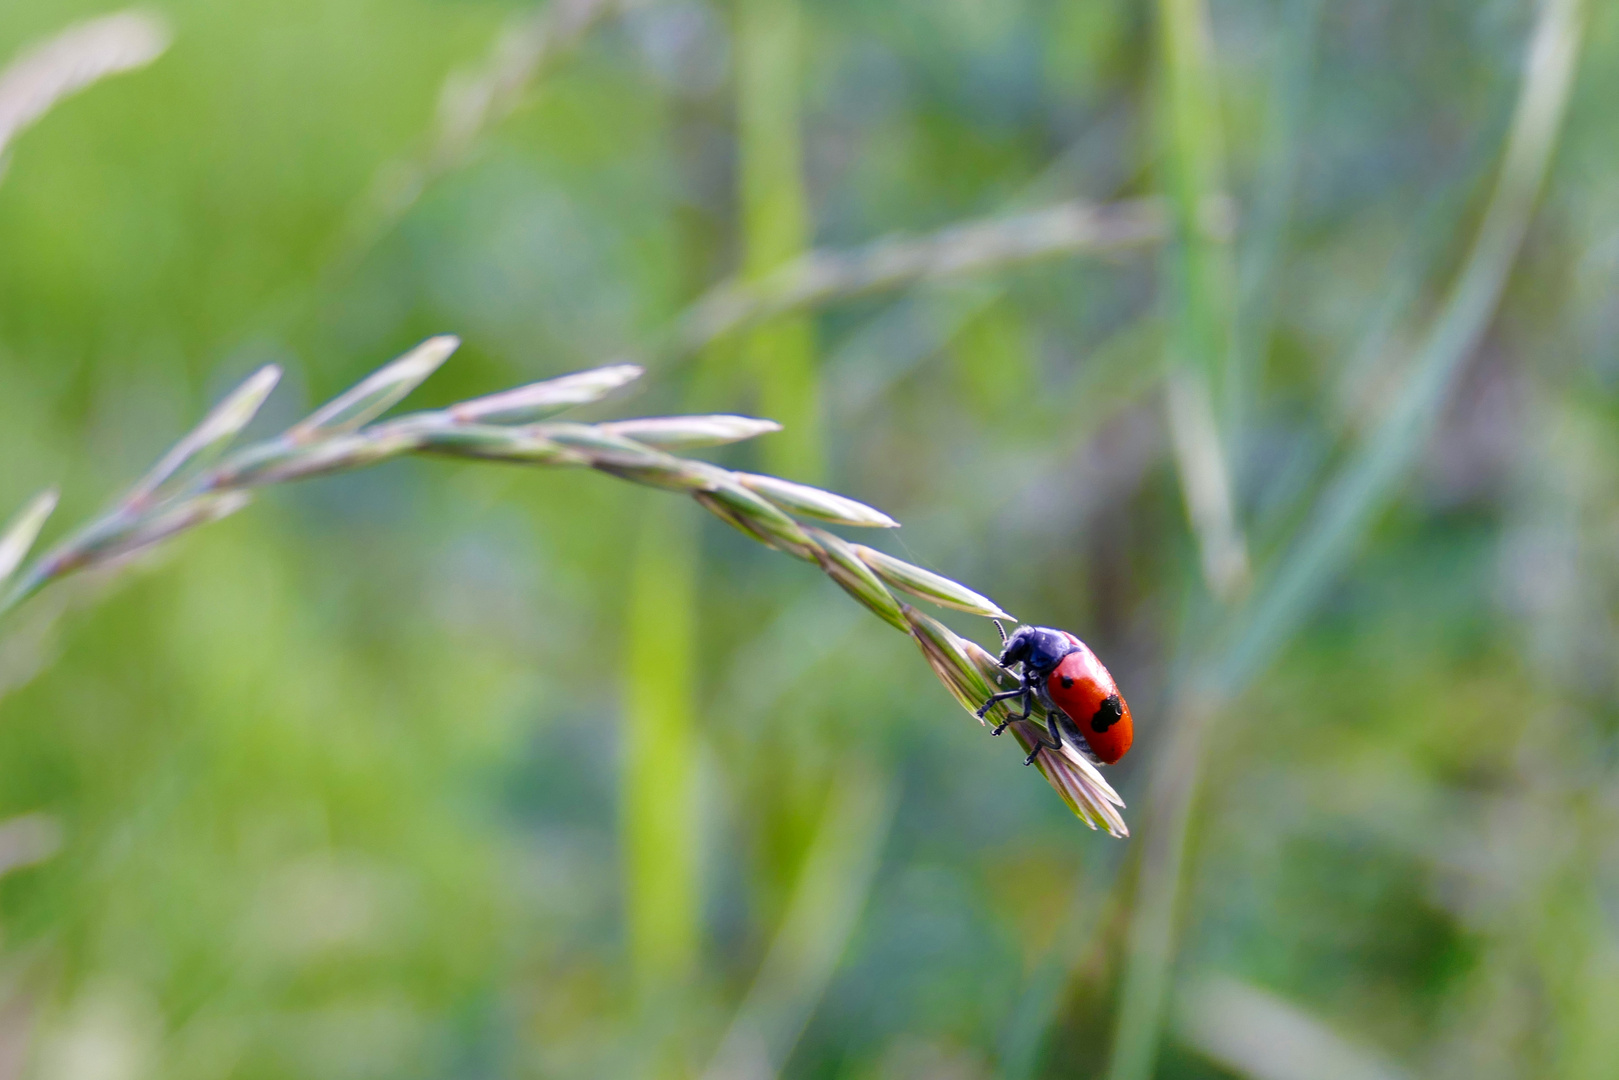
(447, 770)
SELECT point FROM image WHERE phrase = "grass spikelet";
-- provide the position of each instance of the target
(812, 502)
(77, 57)
(945, 657)
(741, 507)
(213, 436)
(379, 392)
(21, 532)
(176, 518)
(928, 585)
(180, 494)
(854, 577)
(536, 401)
(630, 460)
(690, 432)
(1075, 779)
(524, 446)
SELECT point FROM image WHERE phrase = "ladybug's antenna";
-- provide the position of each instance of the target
(1001, 628)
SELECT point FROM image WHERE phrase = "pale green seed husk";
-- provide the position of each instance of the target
(21, 532)
(378, 392)
(762, 519)
(536, 401)
(203, 445)
(928, 585)
(844, 567)
(488, 442)
(812, 502)
(690, 432)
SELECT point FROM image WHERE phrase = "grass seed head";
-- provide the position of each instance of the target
(210, 438)
(180, 494)
(813, 502)
(378, 392)
(21, 532)
(928, 585)
(536, 401)
(854, 577)
(690, 432)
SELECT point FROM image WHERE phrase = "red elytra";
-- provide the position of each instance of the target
(1082, 688)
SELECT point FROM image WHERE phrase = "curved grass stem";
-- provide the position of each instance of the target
(1345, 511)
(344, 435)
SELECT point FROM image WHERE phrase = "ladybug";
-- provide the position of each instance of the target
(1062, 673)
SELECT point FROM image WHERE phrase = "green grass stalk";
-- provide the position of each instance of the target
(74, 59)
(662, 897)
(775, 222)
(827, 275)
(1264, 232)
(833, 883)
(1198, 276)
(201, 480)
(1346, 509)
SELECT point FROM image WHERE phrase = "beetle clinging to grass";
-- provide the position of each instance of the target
(1062, 673)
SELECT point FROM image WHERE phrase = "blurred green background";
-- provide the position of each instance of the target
(440, 770)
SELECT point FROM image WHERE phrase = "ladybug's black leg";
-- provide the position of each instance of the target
(1028, 706)
(999, 697)
(1054, 730)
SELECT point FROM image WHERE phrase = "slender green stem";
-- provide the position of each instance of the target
(833, 883)
(1199, 288)
(775, 222)
(77, 57)
(823, 276)
(1347, 507)
(1265, 228)
(188, 489)
(660, 759)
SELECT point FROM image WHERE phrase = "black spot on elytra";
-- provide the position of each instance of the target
(1111, 712)
(1067, 681)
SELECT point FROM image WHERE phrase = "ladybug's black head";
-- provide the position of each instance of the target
(1038, 648)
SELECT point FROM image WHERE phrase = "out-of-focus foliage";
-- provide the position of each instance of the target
(336, 788)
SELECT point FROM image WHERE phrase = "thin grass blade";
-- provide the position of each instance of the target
(928, 585)
(283, 460)
(74, 59)
(21, 532)
(170, 522)
(1253, 1032)
(812, 502)
(471, 101)
(1344, 513)
(1077, 781)
(379, 392)
(538, 400)
(1199, 274)
(488, 442)
(854, 577)
(213, 436)
(821, 917)
(943, 652)
(1364, 483)
(626, 458)
(759, 519)
(817, 278)
(690, 432)
(662, 830)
